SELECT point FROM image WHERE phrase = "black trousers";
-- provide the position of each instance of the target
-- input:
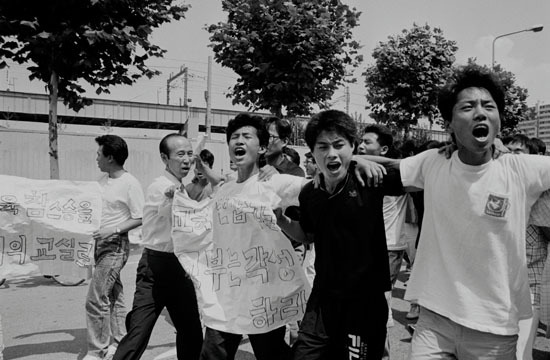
(343, 329)
(161, 282)
(219, 345)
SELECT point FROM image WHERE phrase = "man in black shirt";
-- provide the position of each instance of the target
(347, 311)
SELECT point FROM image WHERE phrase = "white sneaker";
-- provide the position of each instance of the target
(414, 312)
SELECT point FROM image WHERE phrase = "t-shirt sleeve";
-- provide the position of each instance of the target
(540, 212)
(412, 169)
(392, 185)
(305, 216)
(288, 187)
(136, 200)
(536, 172)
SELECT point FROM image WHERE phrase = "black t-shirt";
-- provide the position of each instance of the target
(349, 237)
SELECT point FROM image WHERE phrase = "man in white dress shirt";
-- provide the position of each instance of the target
(161, 281)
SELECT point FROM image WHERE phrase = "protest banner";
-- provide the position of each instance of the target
(245, 284)
(48, 224)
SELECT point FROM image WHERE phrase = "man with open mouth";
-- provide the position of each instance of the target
(470, 273)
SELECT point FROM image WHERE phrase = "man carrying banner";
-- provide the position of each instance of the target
(161, 281)
(249, 279)
(122, 211)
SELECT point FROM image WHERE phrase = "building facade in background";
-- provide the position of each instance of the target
(540, 126)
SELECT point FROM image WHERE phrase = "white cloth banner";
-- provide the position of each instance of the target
(48, 223)
(244, 285)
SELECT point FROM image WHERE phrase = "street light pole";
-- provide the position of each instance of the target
(535, 28)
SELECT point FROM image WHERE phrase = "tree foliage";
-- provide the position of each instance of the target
(287, 53)
(103, 42)
(64, 42)
(409, 68)
(515, 106)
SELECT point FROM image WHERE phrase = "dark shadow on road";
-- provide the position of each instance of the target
(75, 346)
(32, 282)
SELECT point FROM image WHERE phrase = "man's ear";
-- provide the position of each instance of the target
(163, 157)
(262, 149)
(384, 149)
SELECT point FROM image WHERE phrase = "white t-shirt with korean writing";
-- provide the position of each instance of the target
(471, 264)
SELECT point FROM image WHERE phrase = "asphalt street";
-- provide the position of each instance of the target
(43, 320)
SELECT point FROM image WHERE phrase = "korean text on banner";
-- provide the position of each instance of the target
(244, 286)
(48, 223)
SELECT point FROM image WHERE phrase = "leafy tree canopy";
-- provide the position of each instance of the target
(515, 107)
(408, 69)
(104, 42)
(289, 54)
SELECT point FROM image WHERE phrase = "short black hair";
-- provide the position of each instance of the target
(523, 140)
(284, 129)
(330, 120)
(163, 146)
(244, 119)
(539, 144)
(113, 145)
(207, 157)
(466, 77)
(294, 156)
(385, 137)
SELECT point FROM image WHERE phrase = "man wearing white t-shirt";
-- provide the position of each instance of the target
(122, 211)
(470, 274)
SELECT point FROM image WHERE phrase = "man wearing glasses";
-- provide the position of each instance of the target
(279, 134)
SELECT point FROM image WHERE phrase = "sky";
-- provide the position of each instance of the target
(473, 24)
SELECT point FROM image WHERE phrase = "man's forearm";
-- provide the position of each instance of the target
(382, 160)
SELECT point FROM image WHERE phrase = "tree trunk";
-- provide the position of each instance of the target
(52, 128)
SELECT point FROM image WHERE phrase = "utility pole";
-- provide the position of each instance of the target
(183, 70)
(208, 97)
(185, 80)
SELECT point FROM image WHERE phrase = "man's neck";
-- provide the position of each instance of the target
(116, 171)
(475, 158)
(331, 185)
(246, 172)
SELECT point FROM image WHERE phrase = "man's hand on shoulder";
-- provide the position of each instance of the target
(373, 171)
(169, 193)
(448, 150)
(499, 149)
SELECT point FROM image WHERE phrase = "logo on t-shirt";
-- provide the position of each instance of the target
(496, 206)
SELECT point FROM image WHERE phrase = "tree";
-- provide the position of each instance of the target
(515, 106)
(287, 53)
(102, 42)
(409, 67)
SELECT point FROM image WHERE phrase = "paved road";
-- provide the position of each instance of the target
(45, 321)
